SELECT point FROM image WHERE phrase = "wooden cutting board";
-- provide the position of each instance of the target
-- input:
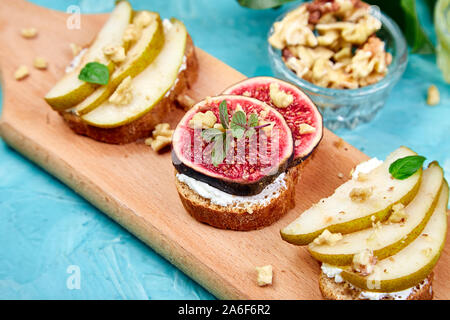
(134, 186)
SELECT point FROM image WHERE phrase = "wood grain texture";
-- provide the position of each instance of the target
(134, 186)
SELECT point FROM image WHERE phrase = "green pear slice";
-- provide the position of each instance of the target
(69, 91)
(389, 238)
(139, 56)
(340, 214)
(414, 263)
(148, 87)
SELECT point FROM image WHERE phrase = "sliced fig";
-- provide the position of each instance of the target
(250, 162)
(301, 115)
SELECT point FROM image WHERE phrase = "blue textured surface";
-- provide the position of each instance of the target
(45, 227)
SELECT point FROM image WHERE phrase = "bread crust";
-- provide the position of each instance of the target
(342, 291)
(142, 127)
(237, 218)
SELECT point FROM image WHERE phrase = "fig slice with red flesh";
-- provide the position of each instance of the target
(251, 163)
(300, 111)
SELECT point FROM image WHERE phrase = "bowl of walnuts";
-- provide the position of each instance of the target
(345, 54)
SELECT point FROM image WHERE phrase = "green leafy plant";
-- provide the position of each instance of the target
(237, 128)
(405, 167)
(404, 12)
(94, 72)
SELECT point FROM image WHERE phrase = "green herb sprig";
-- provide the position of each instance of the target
(94, 72)
(238, 127)
(405, 167)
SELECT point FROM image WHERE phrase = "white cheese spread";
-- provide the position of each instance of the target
(224, 199)
(366, 167)
(76, 61)
(332, 272)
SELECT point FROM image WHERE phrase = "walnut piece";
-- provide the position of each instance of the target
(361, 194)
(398, 213)
(364, 262)
(433, 97)
(279, 98)
(28, 33)
(328, 238)
(264, 275)
(123, 94)
(114, 53)
(40, 63)
(143, 19)
(203, 120)
(161, 137)
(305, 128)
(21, 73)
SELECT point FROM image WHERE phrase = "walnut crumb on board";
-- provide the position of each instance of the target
(28, 33)
(40, 63)
(264, 275)
(21, 73)
(433, 97)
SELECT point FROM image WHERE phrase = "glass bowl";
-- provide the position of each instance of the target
(350, 107)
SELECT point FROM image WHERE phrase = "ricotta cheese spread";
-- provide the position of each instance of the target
(224, 199)
(335, 272)
(76, 61)
(366, 167)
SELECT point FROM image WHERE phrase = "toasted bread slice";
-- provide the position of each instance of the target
(142, 127)
(332, 290)
(236, 217)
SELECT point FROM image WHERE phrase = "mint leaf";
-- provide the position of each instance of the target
(223, 114)
(238, 124)
(94, 72)
(405, 167)
(218, 154)
(209, 134)
(239, 118)
(253, 120)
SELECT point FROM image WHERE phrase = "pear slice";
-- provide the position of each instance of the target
(69, 91)
(414, 263)
(141, 54)
(387, 239)
(148, 87)
(340, 213)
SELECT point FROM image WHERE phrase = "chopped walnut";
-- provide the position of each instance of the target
(131, 33)
(328, 238)
(203, 120)
(158, 143)
(398, 213)
(305, 128)
(29, 33)
(362, 177)
(162, 129)
(143, 19)
(264, 275)
(361, 194)
(364, 262)
(21, 73)
(433, 95)
(115, 53)
(40, 63)
(333, 29)
(123, 94)
(280, 98)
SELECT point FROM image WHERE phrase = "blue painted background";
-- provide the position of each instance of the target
(45, 227)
